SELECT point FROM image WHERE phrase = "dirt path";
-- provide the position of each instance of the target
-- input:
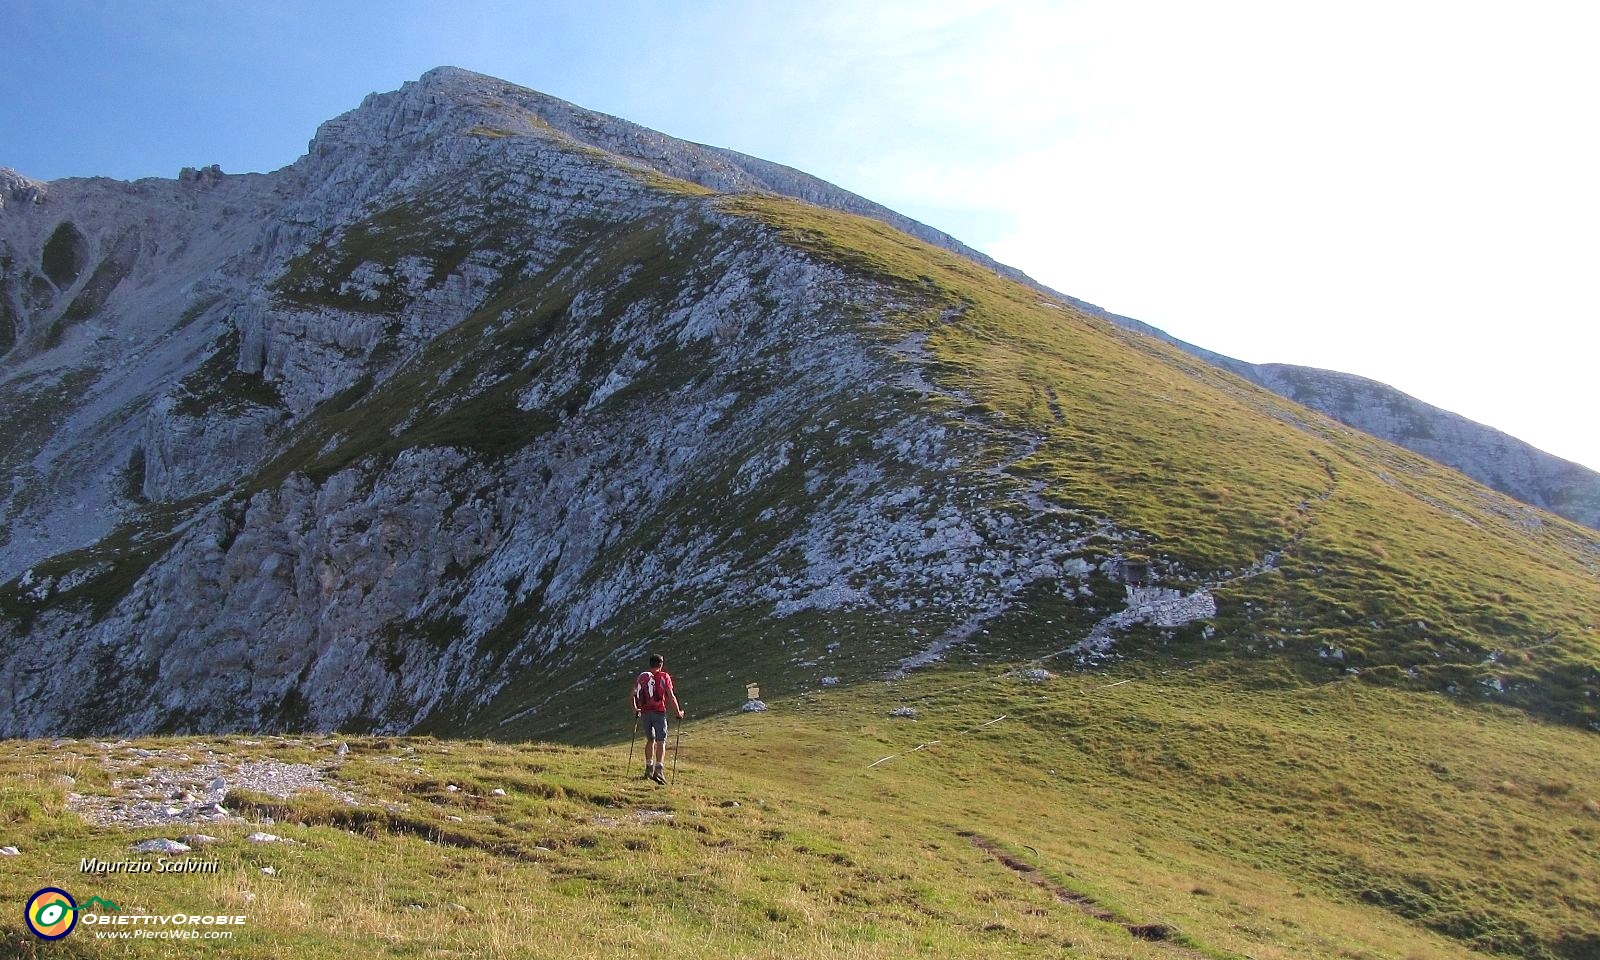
(1158, 933)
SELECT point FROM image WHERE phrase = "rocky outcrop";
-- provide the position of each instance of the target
(487, 388)
(18, 189)
(472, 391)
(717, 439)
(183, 455)
(264, 261)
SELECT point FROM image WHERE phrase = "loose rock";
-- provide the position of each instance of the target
(259, 837)
(160, 846)
(131, 805)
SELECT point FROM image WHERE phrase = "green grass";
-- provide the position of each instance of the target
(1242, 818)
(1245, 789)
(218, 386)
(1403, 565)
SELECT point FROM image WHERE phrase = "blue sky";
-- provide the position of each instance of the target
(1403, 190)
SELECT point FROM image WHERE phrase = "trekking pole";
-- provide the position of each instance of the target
(677, 747)
(631, 741)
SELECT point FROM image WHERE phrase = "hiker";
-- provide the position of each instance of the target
(651, 691)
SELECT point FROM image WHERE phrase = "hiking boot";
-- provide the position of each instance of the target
(658, 778)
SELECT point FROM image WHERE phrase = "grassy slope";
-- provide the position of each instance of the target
(1417, 574)
(1411, 573)
(1256, 813)
(1247, 819)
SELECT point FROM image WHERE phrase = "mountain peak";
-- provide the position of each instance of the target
(440, 424)
(445, 73)
(16, 188)
(450, 103)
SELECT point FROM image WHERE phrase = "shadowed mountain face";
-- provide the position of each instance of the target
(445, 424)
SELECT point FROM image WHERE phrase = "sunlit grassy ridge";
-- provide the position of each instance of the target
(1386, 562)
(1231, 817)
(1363, 557)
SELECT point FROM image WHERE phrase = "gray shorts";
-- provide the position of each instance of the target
(655, 725)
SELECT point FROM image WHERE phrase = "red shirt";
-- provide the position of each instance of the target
(651, 689)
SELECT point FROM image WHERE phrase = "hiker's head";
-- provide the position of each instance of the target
(656, 662)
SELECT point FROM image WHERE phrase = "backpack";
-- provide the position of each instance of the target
(650, 690)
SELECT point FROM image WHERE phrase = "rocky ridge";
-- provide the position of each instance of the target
(444, 423)
(413, 571)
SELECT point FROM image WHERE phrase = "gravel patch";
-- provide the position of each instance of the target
(192, 794)
(636, 817)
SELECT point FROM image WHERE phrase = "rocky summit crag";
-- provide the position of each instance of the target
(443, 425)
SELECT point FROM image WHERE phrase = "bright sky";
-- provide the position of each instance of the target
(1407, 191)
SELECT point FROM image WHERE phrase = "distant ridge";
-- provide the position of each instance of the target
(1492, 457)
